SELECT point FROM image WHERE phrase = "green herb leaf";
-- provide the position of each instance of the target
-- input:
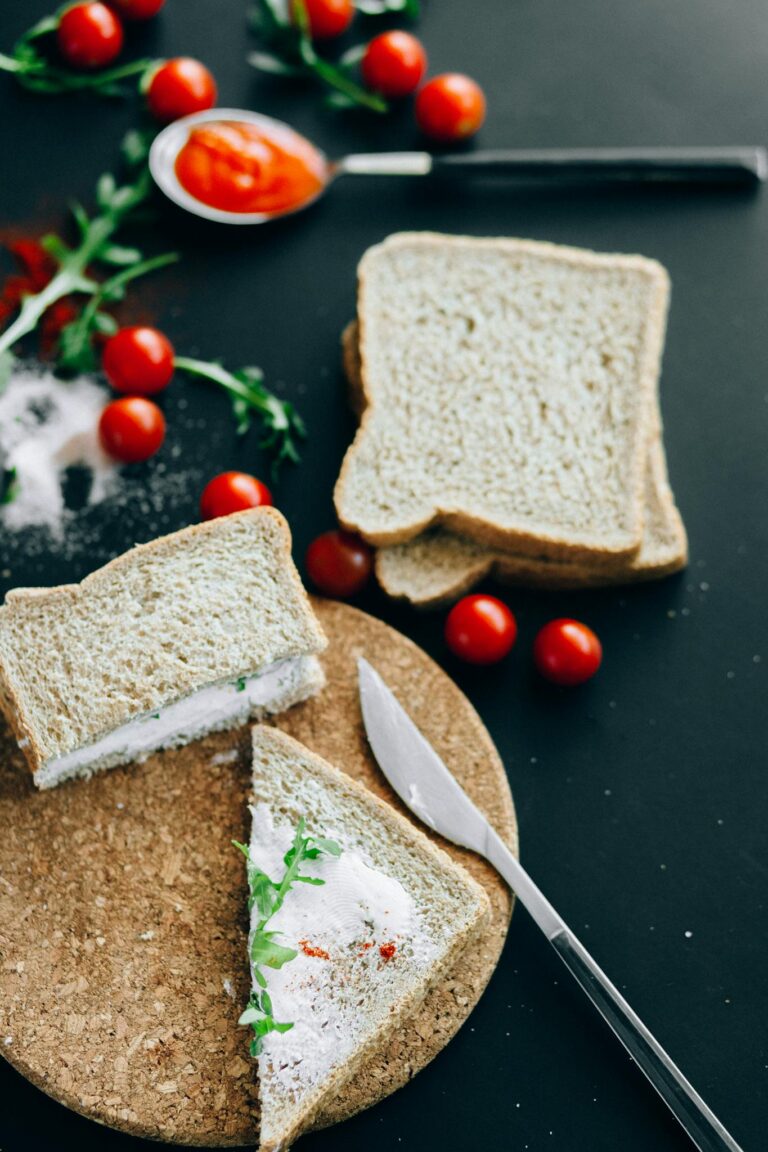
(282, 424)
(290, 51)
(265, 951)
(9, 485)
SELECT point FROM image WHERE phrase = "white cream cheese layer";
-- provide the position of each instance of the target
(341, 985)
(218, 706)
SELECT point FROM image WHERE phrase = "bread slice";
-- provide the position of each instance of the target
(508, 392)
(438, 566)
(194, 632)
(390, 889)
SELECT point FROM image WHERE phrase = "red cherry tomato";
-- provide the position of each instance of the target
(131, 429)
(180, 87)
(138, 360)
(232, 492)
(328, 18)
(394, 64)
(567, 652)
(89, 35)
(480, 629)
(339, 563)
(137, 9)
(450, 107)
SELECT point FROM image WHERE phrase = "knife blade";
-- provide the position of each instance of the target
(432, 793)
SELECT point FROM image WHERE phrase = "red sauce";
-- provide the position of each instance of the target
(243, 166)
(309, 950)
(387, 951)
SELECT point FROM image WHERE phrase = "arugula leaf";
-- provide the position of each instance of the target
(116, 205)
(267, 896)
(35, 67)
(282, 424)
(9, 485)
(285, 32)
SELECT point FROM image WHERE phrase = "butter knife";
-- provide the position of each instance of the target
(424, 784)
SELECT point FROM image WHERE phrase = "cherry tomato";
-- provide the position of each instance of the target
(232, 492)
(138, 360)
(480, 629)
(89, 35)
(339, 563)
(450, 107)
(328, 18)
(137, 9)
(180, 87)
(567, 652)
(131, 429)
(394, 64)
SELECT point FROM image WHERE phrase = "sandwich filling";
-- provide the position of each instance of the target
(226, 704)
(357, 937)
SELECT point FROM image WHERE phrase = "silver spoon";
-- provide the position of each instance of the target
(726, 165)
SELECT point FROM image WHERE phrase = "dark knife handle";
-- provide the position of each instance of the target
(727, 165)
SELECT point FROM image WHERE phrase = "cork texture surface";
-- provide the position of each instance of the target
(123, 922)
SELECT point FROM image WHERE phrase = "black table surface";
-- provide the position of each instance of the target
(642, 797)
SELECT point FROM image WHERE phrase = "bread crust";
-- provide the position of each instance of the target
(10, 701)
(484, 530)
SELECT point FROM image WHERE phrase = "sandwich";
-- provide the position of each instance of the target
(198, 631)
(355, 914)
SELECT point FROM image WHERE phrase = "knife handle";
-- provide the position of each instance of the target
(698, 1120)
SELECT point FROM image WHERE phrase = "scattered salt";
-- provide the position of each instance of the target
(47, 426)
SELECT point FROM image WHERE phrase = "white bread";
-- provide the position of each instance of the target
(508, 390)
(438, 566)
(349, 1000)
(207, 609)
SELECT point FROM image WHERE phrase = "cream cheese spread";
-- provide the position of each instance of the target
(360, 944)
(217, 706)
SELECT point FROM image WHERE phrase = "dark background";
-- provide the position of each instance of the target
(641, 797)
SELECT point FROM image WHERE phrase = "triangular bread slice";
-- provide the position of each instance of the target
(508, 393)
(438, 566)
(198, 631)
(393, 913)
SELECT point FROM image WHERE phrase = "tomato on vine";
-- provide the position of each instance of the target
(233, 492)
(180, 87)
(89, 35)
(131, 429)
(394, 64)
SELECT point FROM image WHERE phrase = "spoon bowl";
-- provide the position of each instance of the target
(168, 143)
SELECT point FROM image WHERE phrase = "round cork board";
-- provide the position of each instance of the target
(123, 922)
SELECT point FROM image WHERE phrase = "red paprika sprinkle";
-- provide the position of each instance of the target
(387, 951)
(309, 950)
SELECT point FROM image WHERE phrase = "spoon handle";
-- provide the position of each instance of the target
(727, 165)
(746, 165)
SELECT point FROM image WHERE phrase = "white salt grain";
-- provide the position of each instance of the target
(46, 426)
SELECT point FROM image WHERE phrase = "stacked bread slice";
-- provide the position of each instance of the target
(508, 393)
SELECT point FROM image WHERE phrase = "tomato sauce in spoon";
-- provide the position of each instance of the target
(242, 166)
